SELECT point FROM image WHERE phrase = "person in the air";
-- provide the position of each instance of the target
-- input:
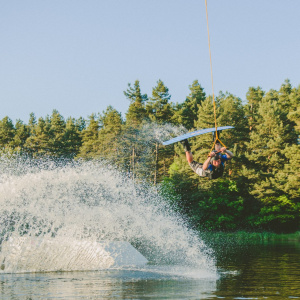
(214, 165)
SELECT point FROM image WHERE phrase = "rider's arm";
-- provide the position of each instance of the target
(228, 153)
(206, 163)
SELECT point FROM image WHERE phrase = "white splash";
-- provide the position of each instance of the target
(161, 132)
(37, 254)
(81, 204)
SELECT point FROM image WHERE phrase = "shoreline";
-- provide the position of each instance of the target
(244, 236)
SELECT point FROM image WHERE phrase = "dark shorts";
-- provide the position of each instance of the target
(198, 168)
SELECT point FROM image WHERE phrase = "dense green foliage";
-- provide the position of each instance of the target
(260, 190)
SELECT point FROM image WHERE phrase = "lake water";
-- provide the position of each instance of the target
(53, 215)
(268, 270)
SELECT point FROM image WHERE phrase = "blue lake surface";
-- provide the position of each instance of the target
(269, 270)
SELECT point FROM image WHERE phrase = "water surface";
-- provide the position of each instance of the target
(260, 271)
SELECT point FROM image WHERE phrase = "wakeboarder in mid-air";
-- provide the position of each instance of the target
(214, 165)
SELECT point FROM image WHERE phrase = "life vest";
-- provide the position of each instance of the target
(214, 173)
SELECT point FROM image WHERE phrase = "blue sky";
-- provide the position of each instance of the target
(78, 56)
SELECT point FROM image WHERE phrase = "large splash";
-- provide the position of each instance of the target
(75, 205)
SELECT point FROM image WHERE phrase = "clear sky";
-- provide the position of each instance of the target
(77, 56)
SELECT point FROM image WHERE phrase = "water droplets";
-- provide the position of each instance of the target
(87, 202)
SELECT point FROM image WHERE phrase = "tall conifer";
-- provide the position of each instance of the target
(89, 138)
(186, 113)
(57, 133)
(136, 113)
(159, 108)
(7, 132)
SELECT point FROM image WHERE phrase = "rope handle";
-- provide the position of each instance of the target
(216, 140)
(215, 152)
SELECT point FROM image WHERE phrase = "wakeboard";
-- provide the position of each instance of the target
(193, 134)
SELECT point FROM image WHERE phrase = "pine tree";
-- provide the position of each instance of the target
(89, 138)
(80, 124)
(108, 141)
(294, 109)
(136, 113)
(7, 132)
(269, 137)
(266, 149)
(254, 97)
(57, 133)
(159, 108)
(38, 144)
(287, 179)
(231, 113)
(21, 134)
(284, 93)
(32, 123)
(186, 113)
(111, 120)
(72, 138)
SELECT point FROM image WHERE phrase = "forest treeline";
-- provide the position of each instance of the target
(260, 190)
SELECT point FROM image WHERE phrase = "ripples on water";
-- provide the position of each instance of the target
(259, 271)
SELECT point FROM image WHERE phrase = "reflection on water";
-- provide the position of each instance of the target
(112, 284)
(270, 270)
(261, 271)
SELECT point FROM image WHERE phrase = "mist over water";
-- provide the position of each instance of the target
(160, 132)
(54, 214)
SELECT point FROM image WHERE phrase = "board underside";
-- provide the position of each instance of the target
(193, 134)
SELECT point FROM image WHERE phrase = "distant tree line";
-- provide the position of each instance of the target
(260, 190)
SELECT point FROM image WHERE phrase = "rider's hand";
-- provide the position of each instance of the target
(223, 149)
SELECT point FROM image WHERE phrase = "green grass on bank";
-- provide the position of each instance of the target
(249, 237)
